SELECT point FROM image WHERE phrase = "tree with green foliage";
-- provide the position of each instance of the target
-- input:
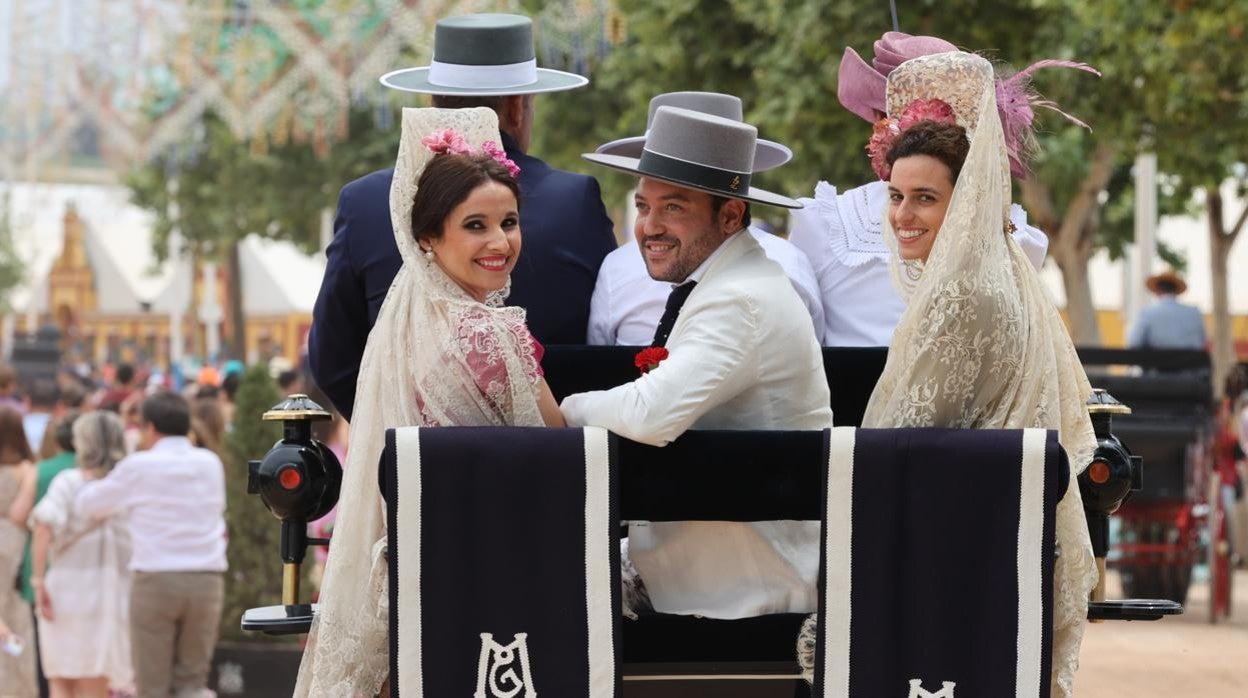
(1181, 91)
(217, 189)
(255, 574)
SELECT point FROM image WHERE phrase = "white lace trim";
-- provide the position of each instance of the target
(854, 222)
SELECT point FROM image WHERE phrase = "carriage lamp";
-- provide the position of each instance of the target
(298, 480)
(1108, 480)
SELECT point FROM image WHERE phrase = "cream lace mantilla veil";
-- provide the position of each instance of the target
(981, 344)
(414, 372)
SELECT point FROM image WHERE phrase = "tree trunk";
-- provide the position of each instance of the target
(1071, 239)
(1221, 240)
(1080, 312)
(237, 322)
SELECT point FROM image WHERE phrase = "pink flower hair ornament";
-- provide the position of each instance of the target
(449, 141)
(496, 151)
(886, 130)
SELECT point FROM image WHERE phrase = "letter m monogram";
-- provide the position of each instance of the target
(917, 690)
(503, 670)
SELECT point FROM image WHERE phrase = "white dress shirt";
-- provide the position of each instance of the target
(742, 355)
(627, 303)
(174, 498)
(841, 235)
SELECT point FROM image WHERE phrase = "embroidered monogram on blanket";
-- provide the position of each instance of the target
(504, 563)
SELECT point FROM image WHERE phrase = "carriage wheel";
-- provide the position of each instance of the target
(1160, 578)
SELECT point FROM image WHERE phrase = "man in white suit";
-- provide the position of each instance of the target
(741, 353)
(627, 303)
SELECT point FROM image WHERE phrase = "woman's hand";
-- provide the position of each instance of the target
(43, 602)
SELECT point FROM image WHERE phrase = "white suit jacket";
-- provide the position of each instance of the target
(627, 303)
(743, 355)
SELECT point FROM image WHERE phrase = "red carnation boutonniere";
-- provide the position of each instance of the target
(649, 359)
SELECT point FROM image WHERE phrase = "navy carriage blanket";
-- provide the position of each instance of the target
(941, 541)
(504, 562)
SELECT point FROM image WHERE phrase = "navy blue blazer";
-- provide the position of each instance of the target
(566, 235)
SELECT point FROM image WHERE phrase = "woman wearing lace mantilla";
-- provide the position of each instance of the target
(980, 344)
(444, 352)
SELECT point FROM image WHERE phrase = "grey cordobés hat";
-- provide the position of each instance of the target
(699, 151)
(482, 55)
(767, 154)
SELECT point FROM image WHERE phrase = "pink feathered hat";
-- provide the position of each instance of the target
(860, 87)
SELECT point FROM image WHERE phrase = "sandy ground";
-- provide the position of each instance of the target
(1183, 656)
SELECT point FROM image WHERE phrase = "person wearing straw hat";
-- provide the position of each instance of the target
(840, 232)
(734, 349)
(478, 60)
(627, 303)
(1168, 324)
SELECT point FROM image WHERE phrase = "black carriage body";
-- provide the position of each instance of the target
(661, 653)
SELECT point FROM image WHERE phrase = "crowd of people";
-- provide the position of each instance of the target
(429, 315)
(114, 533)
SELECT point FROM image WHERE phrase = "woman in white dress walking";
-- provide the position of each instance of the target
(83, 600)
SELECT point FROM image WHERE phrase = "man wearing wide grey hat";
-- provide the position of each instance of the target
(735, 349)
(627, 303)
(478, 60)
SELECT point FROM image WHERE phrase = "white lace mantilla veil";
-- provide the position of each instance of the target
(413, 372)
(981, 344)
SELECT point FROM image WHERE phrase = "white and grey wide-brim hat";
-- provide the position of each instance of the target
(767, 154)
(482, 55)
(699, 151)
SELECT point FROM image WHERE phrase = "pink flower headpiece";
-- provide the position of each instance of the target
(449, 141)
(887, 129)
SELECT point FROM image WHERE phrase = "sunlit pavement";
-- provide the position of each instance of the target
(1176, 657)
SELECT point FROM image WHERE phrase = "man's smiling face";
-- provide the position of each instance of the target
(679, 228)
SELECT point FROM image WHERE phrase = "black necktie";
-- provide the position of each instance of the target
(668, 321)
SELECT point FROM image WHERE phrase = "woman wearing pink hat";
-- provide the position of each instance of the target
(840, 232)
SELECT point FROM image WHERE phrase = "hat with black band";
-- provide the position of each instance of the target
(699, 151)
(483, 55)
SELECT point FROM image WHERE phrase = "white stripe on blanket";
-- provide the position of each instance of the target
(838, 547)
(598, 537)
(1030, 540)
(407, 452)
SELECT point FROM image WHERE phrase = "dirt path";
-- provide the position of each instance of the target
(1177, 657)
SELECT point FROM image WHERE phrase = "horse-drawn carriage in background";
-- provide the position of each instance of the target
(1175, 522)
(660, 653)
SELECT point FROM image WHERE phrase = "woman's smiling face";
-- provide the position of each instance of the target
(918, 193)
(480, 240)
